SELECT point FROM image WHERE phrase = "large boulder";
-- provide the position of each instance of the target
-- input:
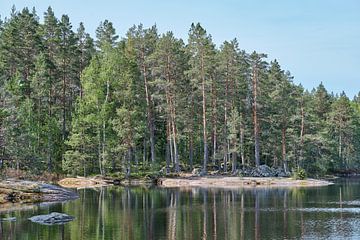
(53, 218)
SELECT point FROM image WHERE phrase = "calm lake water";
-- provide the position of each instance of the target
(331, 212)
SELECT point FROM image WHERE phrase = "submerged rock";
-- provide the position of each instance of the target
(52, 218)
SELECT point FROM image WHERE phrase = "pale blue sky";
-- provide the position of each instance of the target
(316, 40)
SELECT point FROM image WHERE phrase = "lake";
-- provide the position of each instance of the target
(331, 212)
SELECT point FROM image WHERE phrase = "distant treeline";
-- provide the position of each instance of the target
(72, 104)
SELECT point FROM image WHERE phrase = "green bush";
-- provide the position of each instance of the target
(299, 174)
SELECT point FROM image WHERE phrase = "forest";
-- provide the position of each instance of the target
(75, 105)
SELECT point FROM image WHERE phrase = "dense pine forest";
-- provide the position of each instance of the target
(76, 105)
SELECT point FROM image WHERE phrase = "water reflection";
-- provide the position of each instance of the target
(155, 213)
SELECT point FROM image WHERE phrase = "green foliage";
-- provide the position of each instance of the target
(133, 105)
(299, 174)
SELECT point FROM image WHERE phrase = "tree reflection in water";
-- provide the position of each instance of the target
(195, 213)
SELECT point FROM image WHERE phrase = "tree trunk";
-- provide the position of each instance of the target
(64, 104)
(283, 149)
(226, 147)
(191, 152)
(214, 121)
(136, 158)
(204, 170)
(242, 155)
(99, 153)
(103, 158)
(176, 155)
(144, 151)
(255, 119)
(234, 162)
(302, 132)
(149, 109)
(172, 113)
(128, 164)
(167, 155)
(49, 160)
(171, 147)
(340, 148)
(191, 134)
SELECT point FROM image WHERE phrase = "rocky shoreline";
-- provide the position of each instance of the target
(20, 191)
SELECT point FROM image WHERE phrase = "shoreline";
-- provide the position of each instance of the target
(23, 191)
(237, 182)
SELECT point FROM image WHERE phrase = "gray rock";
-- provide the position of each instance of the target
(52, 218)
(279, 172)
(263, 171)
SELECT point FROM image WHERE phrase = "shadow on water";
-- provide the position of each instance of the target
(157, 213)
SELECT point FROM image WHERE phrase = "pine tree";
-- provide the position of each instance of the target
(257, 69)
(340, 119)
(230, 68)
(144, 43)
(106, 35)
(169, 66)
(201, 50)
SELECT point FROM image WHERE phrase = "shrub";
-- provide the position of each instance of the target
(299, 174)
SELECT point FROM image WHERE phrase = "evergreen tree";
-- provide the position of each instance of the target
(258, 67)
(144, 43)
(169, 66)
(202, 51)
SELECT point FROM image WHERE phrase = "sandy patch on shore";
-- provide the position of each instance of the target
(81, 182)
(237, 182)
